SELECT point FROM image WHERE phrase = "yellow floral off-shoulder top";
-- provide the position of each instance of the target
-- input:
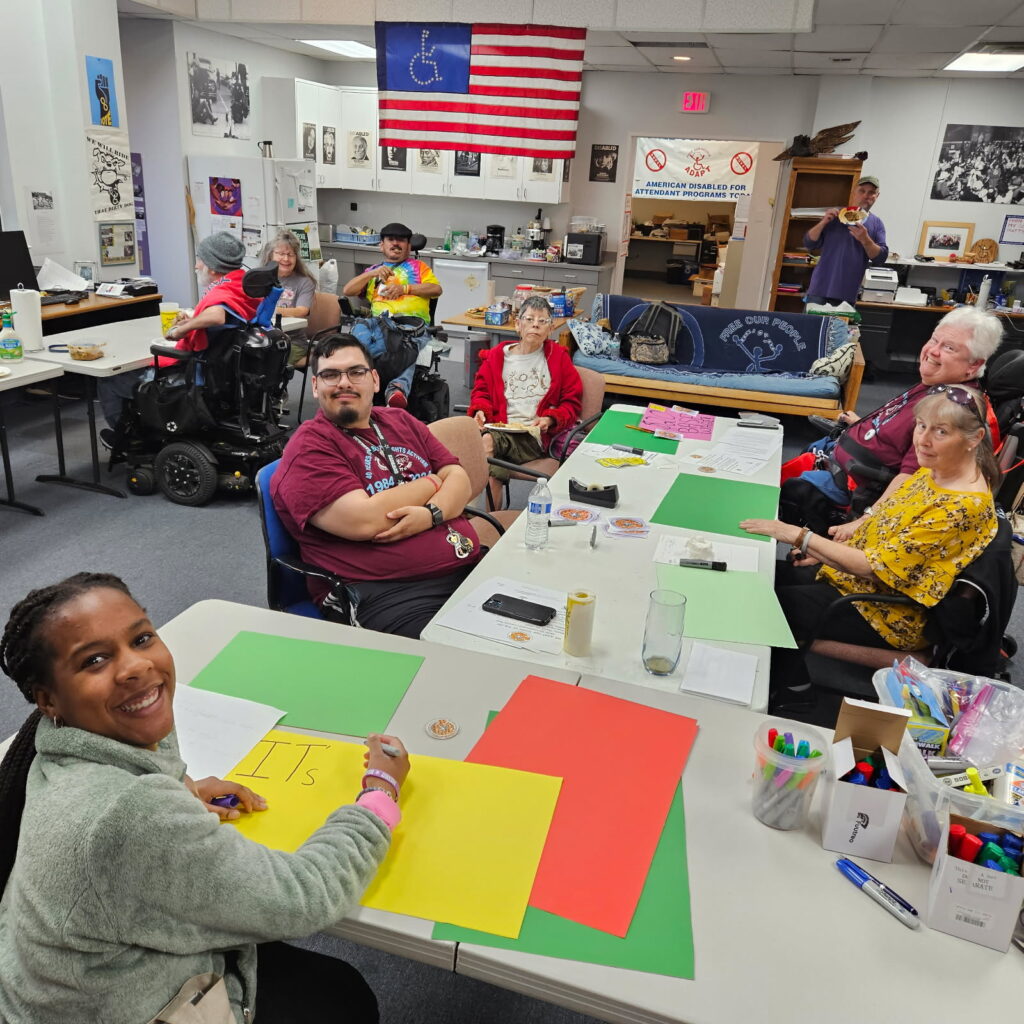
(917, 543)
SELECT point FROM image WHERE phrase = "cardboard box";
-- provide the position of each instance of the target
(864, 821)
(970, 901)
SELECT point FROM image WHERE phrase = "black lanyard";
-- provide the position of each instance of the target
(383, 446)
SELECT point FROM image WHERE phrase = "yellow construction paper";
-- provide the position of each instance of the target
(465, 853)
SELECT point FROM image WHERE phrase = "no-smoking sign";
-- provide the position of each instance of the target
(741, 163)
(655, 159)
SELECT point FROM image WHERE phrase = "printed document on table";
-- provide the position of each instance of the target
(717, 672)
(468, 616)
(738, 557)
(216, 731)
(743, 450)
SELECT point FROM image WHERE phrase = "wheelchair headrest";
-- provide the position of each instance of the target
(417, 242)
(1004, 377)
(258, 283)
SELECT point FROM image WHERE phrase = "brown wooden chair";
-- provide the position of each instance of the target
(590, 412)
(461, 436)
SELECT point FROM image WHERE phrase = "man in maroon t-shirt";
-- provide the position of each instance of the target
(373, 496)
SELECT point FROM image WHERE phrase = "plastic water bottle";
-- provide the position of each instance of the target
(538, 511)
(983, 292)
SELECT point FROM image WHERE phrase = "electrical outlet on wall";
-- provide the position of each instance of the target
(353, 207)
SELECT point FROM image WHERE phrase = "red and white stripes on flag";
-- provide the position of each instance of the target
(523, 97)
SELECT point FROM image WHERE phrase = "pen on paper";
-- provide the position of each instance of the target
(593, 536)
(703, 563)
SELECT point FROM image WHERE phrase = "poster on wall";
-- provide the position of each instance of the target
(980, 164)
(308, 140)
(428, 161)
(604, 163)
(141, 227)
(329, 144)
(226, 197)
(219, 97)
(1013, 230)
(117, 243)
(504, 167)
(100, 88)
(694, 169)
(566, 166)
(392, 158)
(542, 168)
(358, 149)
(467, 164)
(44, 232)
(110, 174)
(252, 239)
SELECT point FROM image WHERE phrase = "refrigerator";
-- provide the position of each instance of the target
(252, 197)
(463, 286)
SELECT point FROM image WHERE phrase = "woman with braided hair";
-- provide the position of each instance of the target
(118, 884)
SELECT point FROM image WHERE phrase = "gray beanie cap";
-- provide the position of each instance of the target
(221, 251)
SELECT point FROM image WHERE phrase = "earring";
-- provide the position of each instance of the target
(58, 722)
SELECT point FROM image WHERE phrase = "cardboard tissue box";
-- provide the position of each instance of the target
(971, 901)
(864, 821)
(496, 317)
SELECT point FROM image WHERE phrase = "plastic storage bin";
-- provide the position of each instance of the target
(928, 801)
(348, 236)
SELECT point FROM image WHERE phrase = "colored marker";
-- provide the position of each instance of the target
(229, 801)
(700, 563)
(880, 893)
(627, 448)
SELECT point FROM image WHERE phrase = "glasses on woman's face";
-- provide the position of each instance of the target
(355, 374)
(282, 254)
(959, 395)
(535, 323)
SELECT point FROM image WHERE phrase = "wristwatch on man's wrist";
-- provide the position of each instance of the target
(435, 513)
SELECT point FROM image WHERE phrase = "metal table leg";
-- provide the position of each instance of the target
(5, 454)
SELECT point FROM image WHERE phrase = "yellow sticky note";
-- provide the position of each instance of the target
(465, 853)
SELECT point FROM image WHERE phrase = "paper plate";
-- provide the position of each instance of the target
(5, 371)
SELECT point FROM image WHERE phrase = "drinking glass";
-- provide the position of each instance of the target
(663, 632)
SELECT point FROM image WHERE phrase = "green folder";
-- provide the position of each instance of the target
(735, 606)
(714, 504)
(611, 429)
(330, 687)
(660, 937)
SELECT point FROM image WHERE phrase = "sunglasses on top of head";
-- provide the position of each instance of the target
(959, 395)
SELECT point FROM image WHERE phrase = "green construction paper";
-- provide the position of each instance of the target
(660, 937)
(330, 687)
(716, 505)
(611, 429)
(735, 606)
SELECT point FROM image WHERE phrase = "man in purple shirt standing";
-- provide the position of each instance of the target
(846, 250)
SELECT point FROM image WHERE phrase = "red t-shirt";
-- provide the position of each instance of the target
(322, 462)
(226, 292)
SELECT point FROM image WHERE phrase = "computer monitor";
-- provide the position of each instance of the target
(15, 263)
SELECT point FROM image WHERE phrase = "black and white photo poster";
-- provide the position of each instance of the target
(604, 162)
(308, 140)
(328, 145)
(219, 97)
(110, 174)
(358, 149)
(980, 164)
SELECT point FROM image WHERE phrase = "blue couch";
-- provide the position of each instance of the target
(737, 358)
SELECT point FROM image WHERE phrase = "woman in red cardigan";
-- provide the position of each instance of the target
(530, 382)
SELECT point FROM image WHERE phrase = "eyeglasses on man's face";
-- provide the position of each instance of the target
(355, 374)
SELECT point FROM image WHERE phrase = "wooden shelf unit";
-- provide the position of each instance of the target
(813, 182)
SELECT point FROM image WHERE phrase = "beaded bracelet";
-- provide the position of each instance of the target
(376, 773)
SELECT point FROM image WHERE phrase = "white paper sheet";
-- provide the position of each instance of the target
(469, 617)
(738, 557)
(52, 277)
(717, 672)
(216, 731)
(742, 450)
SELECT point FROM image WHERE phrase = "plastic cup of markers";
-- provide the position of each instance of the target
(783, 783)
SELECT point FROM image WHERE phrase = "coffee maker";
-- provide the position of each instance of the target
(495, 240)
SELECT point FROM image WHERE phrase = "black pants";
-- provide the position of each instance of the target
(804, 602)
(296, 986)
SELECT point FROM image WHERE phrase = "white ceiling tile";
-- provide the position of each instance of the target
(863, 12)
(666, 57)
(266, 10)
(926, 39)
(1017, 18)
(326, 12)
(749, 15)
(619, 67)
(824, 60)
(755, 71)
(183, 8)
(803, 16)
(893, 73)
(838, 39)
(681, 69)
(513, 11)
(605, 38)
(751, 40)
(754, 58)
(581, 13)
(1005, 35)
(425, 10)
(946, 13)
(620, 55)
(908, 61)
(213, 10)
(669, 15)
(657, 37)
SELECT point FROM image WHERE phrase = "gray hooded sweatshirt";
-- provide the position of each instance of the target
(125, 886)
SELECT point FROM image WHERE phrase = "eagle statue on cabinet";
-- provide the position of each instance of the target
(825, 141)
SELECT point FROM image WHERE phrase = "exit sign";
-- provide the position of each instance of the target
(696, 102)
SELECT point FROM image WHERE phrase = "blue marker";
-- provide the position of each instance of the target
(879, 892)
(229, 801)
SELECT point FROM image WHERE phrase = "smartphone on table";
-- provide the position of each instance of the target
(517, 608)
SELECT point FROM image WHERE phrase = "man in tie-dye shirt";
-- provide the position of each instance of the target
(399, 286)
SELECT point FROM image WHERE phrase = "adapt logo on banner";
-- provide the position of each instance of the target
(694, 169)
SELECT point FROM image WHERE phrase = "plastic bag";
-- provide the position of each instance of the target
(990, 730)
(329, 277)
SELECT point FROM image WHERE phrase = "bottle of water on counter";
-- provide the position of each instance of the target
(538, 511)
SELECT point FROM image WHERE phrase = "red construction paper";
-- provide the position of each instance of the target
(621, 763)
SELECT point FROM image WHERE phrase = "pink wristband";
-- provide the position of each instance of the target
(377, 774)
(382, 805)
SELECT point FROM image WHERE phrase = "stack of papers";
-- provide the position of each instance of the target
(742, 450)
(720, 673)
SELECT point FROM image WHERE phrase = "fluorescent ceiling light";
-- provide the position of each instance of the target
(682, 58)
(344, 47)
(987, 62)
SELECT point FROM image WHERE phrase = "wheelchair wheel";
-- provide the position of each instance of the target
(186, 473)
(142, 480)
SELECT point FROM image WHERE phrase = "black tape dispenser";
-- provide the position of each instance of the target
(594, 494)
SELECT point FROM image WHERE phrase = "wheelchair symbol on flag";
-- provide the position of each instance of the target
(421, 61)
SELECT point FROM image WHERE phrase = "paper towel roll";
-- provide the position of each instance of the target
(28, 319)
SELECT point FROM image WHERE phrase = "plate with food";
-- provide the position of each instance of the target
(477, 312)
(852, 215)
(511, 428)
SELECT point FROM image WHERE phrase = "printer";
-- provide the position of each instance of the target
(879, 285)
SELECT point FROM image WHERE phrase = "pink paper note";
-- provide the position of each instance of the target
(696, 427)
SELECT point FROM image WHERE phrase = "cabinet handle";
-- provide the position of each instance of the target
(571, 277)
(517, 273)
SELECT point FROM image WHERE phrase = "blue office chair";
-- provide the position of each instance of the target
(286, 571)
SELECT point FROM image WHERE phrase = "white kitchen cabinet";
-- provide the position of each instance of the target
(423, 182)
(510, 179)
(328, 164)
(359, 122)
(289, 105)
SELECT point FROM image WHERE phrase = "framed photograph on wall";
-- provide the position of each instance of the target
(942, 239)
(85, 269)
(117, 242)
(1013, 230)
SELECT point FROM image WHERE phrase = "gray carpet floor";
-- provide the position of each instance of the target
(171, 557)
